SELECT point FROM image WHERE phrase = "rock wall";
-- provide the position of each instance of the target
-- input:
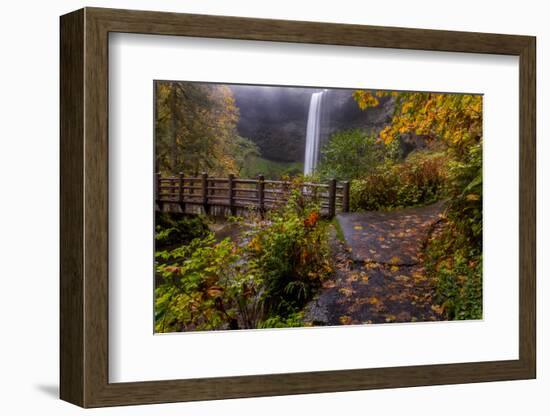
(275, 118)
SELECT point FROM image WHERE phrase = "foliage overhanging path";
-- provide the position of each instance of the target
(380, 275)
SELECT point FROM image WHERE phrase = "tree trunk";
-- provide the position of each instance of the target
(173, 117)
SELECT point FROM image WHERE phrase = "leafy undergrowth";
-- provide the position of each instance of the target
(261, 282)
(176, 228)
(454, 252)
(456, 268)
(419, 180)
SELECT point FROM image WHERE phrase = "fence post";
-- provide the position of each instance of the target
(332, 198)
(345, 196)
(180, 192)
(204, 183)
(231, 194)
(261, 186)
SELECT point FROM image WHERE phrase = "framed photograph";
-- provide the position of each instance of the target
(255, 207)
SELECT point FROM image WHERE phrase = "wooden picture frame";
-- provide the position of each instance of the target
(84, 207)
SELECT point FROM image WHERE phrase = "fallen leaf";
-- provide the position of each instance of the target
(437, 309)
(347, 292)
(395, 260)
(353, 277)
(214, 291)
(419, 277)
(373, 300)
(404, 316)
(345, 320)
(402, 278)
(329, 284)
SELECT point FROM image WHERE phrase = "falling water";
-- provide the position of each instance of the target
(313, 133)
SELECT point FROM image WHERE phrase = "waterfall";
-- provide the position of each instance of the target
(313, 133)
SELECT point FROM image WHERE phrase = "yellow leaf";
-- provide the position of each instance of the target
(373, 300)
(395, 260)
(370, 265)
(418, 276)
(345, 320)
(214, 291)
(353, 277)
(347, 292)
(437, 309)
(329, 284)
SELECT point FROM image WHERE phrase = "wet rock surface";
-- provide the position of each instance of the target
(379, 274)
(394, 237)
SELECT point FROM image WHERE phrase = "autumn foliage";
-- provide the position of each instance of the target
(196, 130)
(454, 254)
(280, 263)
(262, 281)
(455, 119)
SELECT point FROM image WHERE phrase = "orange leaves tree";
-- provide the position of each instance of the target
(195, 128)
(456, 119)
(453, 258)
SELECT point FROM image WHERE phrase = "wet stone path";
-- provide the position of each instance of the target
(379, 273)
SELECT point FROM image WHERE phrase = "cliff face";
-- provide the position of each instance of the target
(341, 112)
(275, 118)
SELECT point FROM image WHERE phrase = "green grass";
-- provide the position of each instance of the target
(338, 229)
(270, 169)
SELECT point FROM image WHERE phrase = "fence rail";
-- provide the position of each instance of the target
(214, 194)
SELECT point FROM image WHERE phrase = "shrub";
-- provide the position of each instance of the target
(349, 154)
(172, 229)
(290, 249)
(206, 285)
(465, 194)
(263, 281)
(295, 319)
(454, 258)
(419, 180)
(456, 268)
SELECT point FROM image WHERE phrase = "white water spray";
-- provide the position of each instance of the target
(313, 133)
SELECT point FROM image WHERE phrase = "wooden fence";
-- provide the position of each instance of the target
(232, 195)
